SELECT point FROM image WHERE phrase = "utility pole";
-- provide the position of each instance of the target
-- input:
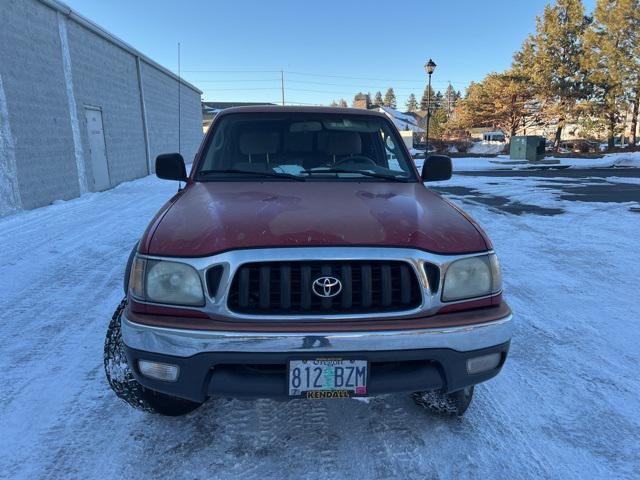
(282, 85)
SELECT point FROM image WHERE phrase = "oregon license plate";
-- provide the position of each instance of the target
(328, 378)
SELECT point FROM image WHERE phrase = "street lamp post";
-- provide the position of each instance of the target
(429, 67)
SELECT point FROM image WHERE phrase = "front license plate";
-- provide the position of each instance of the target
(328, 378)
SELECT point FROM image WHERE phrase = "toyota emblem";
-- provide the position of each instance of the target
(326, 287)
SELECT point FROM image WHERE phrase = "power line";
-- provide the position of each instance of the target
(370, 78)
(324, 75)
(380, 86)
(349, 88)
(231, 71)
(239, 89)
(293, 89)
(234, 80)
(360, 86)
(406, 90)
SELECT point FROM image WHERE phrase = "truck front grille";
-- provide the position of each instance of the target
(272, 288)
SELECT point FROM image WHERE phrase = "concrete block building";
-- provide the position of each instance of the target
(80, 109)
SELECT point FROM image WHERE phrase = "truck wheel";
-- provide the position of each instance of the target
(452, 404)
(123, 383)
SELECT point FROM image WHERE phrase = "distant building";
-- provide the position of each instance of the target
(211, 109)
(361, 100)
(407, 123)
(478, 133)
(403, 121)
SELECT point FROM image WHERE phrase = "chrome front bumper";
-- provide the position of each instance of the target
(185, 343)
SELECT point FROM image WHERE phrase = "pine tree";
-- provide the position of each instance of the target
(552, 60)
(361, 100)
(412, 103)
(634, 76)
(450, 100)
(333, 104)
(522, 67)
(377, 101)
(439, 100)
(390, 98)
(634, 115)
(425, 96)
(437, 123)
(342, 103)
(500, 100)
(610, 45)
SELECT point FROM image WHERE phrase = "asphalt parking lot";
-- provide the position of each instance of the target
(618, 185)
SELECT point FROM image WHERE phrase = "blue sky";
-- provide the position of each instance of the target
(328, 49)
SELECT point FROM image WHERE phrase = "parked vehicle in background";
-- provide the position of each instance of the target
(305, 258)
(497, 136)
(579, 146)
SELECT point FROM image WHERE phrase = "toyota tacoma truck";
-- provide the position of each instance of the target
(303, 257)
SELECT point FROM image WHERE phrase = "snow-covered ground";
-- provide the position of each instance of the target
(565, 406)
(502, 162)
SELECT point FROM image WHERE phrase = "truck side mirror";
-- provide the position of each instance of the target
(170, 166)
(436, 168)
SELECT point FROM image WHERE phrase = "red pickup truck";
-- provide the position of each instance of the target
(305, 258)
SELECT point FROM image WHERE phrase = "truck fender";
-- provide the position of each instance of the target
(127, 270)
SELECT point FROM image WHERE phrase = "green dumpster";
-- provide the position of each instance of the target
(527, 147)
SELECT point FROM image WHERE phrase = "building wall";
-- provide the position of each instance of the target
(161, 100)
(36, 101)
(105, 76)
(51, 66)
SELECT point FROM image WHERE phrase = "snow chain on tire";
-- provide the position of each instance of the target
(451, 404)
(117, 369)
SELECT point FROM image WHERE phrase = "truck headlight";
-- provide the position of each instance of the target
(172, 282)
(472, 277)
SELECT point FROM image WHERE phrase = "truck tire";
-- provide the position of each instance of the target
(451, 404)
(123, 383)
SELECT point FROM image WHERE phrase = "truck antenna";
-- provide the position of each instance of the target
(179, 106)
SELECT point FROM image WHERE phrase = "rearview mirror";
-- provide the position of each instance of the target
(436, 168)
(170, 166)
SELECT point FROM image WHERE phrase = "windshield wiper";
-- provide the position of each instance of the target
(361, 172)
(256, 173)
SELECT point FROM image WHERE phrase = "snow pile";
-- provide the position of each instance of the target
(503, 162)
(486, 148)
(620, 159)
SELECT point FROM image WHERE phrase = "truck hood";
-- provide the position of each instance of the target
(211, 217)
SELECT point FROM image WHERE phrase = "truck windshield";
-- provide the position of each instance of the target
(301, 146)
